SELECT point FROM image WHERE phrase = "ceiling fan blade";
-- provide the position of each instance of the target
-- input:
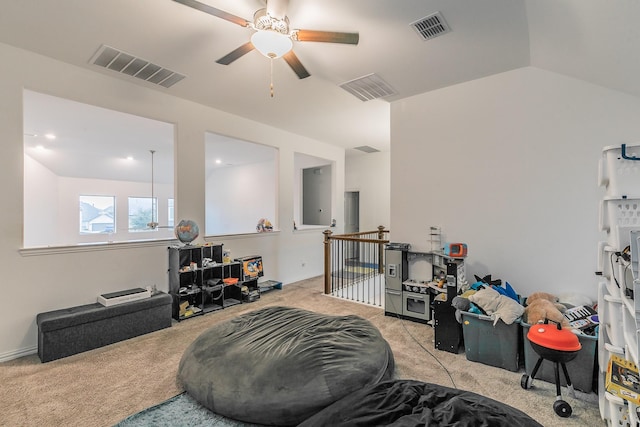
(326, 36)
(235, 54)
(215, 12)
(296, 65)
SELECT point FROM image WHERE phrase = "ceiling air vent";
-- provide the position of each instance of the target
(367, 149)
(368, 87)
(124, 63)
(431, 26)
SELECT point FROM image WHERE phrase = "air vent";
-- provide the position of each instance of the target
(431, 26)
(124, 63)
(367, 149)
(368, 87)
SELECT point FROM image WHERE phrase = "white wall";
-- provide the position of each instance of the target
(40, 204)
(49, 280)
(509, 165)
(301, 162)
(369, 174)
(236, 195)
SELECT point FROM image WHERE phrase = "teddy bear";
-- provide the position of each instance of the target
(541, 306)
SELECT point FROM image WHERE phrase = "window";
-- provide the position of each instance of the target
(97, 214)
(83, 163)
(241, 185)
(142, 212)
(170, 214)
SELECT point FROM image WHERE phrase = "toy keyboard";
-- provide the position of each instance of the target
(581, 317)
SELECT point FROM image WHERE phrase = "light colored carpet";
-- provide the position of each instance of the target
(104, 386)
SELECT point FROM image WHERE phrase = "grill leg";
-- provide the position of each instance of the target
(535, 368)
(557, 372)
(572, 392)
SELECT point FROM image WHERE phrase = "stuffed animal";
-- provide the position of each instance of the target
(264, 225)
(542, 305)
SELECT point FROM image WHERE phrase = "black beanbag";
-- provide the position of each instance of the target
(279, 365)
(409, 403)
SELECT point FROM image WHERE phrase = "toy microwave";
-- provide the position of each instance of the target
(455, 250)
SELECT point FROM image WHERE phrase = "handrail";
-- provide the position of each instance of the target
(352, 237)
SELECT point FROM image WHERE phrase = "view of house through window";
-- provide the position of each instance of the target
(97, 214)
(88, 174)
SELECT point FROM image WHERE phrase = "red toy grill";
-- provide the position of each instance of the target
(559, 346)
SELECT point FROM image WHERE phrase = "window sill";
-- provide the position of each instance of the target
(236, 236)
(303, 228)
(98, 246)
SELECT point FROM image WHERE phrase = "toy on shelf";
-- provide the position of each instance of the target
(264, 225)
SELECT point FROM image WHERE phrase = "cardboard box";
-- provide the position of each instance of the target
(622, 379)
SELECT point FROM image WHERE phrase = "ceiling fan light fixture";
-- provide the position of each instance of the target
(263, 21)
(271, 43)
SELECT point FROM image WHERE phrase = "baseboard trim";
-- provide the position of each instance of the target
(15, 354)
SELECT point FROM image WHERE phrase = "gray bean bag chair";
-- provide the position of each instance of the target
(279, 365)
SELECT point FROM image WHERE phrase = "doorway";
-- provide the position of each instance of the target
(351, 223)
(351, 212)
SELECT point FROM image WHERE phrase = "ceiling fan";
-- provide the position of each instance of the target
(153, 224)
(271, 34)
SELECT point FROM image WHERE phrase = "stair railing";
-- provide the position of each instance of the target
(354, 265)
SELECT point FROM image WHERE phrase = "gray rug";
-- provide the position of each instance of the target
(180, 410)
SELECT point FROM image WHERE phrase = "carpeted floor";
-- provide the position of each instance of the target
(102, 387)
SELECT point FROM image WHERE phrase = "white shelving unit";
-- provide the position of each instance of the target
(619, 292)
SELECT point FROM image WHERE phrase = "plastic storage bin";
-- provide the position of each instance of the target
(617, 410)
(620, 175)
(581, 369)
(630, 330)
(499, 345)
(618, 217)
(609, 267)
(612, 320)
(634, 246)
(610, 323)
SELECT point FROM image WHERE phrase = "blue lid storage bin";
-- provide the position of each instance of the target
(581, 369)
(498, 345)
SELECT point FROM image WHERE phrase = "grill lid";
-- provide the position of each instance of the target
(553, 337)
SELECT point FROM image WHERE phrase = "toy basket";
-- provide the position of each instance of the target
(619, 169)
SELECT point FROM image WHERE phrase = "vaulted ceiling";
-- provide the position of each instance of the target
(593, 40)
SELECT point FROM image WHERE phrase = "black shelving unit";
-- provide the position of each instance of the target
(196, 274)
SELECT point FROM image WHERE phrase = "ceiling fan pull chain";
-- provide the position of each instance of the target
(271, 85)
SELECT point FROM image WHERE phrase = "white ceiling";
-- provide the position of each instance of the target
(593, 40)
(93, 142)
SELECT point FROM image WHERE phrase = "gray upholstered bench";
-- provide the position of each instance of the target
(73, 330)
